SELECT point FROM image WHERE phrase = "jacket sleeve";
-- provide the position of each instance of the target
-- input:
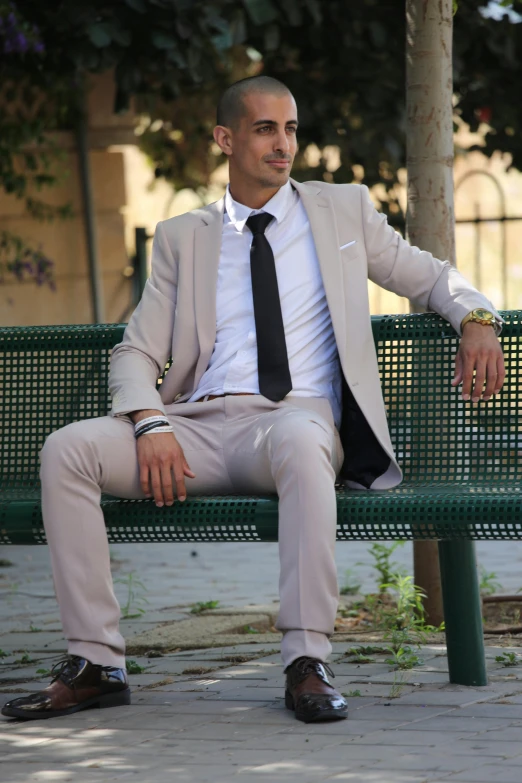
(397, 266)
(139, 360)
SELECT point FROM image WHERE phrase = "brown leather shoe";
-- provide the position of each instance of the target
(77, 685)
(310, 694)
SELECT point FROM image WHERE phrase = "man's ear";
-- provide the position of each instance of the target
(223, 139)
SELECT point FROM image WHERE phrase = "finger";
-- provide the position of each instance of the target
(467, 377)
(187, 471)
(457, 378)
(491, 378)
(480, 377)
(166, 482)
(181, 492)
(501, 373)
(145, 479)
(155, 480)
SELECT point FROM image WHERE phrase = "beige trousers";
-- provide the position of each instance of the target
(234, 445)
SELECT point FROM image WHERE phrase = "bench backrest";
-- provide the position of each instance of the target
(50, 376)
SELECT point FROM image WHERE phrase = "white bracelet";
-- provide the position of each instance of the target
(149, 420)
(160, 429)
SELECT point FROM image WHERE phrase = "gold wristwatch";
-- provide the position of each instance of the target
(480, 316)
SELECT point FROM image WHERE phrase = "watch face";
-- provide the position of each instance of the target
(480, 313)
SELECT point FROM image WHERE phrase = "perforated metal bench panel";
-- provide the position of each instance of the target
(461, 463)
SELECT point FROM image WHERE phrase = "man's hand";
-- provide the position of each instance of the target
(160, 458)
(479, 353)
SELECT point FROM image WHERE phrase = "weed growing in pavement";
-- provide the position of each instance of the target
(352, 694)
(34, 629)
(351, 586)
(3, 654)
(509, 659)
(397, 687)
(202, 606)
(44, 672)
(403, 621)
(5, 563)
(383, 564)
(134, 668)
(488, 584)
(135, 588)
(25, 659)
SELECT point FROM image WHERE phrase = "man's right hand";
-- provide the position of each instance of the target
(162, 464)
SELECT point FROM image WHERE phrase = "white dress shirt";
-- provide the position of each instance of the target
(312, 351)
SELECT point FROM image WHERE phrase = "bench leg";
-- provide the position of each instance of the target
(462, 613)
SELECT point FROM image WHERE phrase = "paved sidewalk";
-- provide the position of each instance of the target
(216, 715)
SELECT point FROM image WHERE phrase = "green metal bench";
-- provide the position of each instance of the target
(461, 463)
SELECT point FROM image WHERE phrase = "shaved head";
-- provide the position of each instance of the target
(231, 107)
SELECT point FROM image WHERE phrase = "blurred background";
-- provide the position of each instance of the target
(106, 117)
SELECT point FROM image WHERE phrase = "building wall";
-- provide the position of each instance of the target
(64, 241)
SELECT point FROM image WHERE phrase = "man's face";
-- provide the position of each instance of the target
(264, 144)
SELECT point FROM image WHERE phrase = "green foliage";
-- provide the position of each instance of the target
(352, 694)
(25, 660)
(250, 629)
(351, 586)
(509, 659)
(488, 582)
(135, 590)
(383, 564)
(202, 606)
(21, 262)
(3, 654)
(134, 668)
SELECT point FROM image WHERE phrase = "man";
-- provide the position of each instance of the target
(273, 356)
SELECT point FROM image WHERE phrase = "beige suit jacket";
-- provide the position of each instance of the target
(176, 316)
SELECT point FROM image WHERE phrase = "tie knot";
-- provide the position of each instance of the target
(258, 223)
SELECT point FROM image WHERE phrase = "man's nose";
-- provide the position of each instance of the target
(281, 143)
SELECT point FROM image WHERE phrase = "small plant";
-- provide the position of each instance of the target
(404, 658)
(5, 563)
(383, 564)
(488, 584)
(202, 606)
(509, 659)
(250, 629)
(25, 659)
(397, 687)
(134, 668)
(351, 586)
(3, 654)
(134, 588)
(44, 672)
(34, 629)
(353, 694)
(359, 656)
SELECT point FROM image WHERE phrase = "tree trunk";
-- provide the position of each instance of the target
(430, 220)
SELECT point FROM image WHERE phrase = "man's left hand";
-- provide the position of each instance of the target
(480, 354)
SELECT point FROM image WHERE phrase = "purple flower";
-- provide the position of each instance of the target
(39, 48)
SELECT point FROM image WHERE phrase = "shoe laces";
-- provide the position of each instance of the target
(71, 663)
(305, 666)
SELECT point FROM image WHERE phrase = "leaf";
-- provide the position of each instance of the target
(100, 34)
(261, 11)
(137, 5)
(163, 40)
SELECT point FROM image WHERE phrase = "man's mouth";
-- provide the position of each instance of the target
(279, 164)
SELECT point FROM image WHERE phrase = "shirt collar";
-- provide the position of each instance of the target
(278, 206)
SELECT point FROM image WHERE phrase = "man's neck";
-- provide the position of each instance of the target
(255, 198)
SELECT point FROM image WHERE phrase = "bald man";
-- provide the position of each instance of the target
(261, 300)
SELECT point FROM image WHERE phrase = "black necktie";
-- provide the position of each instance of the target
(272, 359)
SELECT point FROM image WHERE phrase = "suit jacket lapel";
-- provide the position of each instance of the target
(207, 248)
(320, 211)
